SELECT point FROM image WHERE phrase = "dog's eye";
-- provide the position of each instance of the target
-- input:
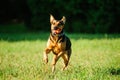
(61, 23)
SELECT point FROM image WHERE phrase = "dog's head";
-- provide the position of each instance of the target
(57, 25)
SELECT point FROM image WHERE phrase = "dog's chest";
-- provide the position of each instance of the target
(58, 47)
(57, 44)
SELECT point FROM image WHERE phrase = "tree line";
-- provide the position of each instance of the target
(85, 16)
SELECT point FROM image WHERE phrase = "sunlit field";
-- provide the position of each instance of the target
(94, 57)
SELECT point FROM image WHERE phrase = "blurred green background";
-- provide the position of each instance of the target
(83, 16)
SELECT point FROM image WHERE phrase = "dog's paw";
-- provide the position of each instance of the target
(64, 68)
(45, 60)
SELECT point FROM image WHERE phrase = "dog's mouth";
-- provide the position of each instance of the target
(57, 31)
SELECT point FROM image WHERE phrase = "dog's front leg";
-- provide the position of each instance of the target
(45, 56)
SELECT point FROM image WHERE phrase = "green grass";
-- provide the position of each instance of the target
(94, 57)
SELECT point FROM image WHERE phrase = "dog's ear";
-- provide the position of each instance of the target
(51, 18)
(63, 19)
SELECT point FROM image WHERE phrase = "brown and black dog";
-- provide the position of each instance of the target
(58, 43)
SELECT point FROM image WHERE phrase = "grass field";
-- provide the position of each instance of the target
(94, 57)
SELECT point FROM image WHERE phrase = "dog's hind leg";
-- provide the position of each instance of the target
(66, 58)
(54, 62)
(55, 59)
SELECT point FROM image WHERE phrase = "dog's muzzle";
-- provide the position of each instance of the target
(56, 30)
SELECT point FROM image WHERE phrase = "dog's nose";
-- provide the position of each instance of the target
(55, 28)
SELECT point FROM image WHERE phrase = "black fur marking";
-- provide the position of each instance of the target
(68, 43)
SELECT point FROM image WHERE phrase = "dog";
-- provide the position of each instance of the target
(58, 43)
